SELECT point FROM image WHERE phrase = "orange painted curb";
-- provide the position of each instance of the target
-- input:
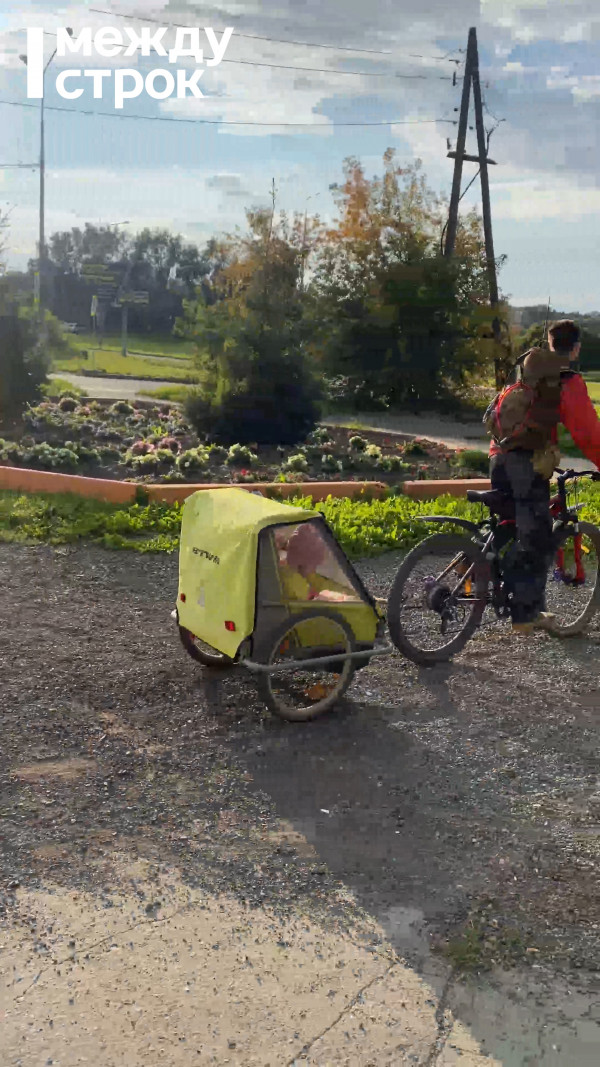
(31, 481)
(117, 492)
(317, 490)
(428, 490)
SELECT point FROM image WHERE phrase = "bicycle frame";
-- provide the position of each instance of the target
(565, 519)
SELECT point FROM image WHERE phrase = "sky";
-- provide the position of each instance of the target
(384, 79)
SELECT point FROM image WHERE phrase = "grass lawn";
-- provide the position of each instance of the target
(175, 394)
(56, 386)
(139, 344)
(112, 362)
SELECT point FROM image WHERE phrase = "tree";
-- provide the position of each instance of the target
(154, 261)
(398, 321)
(252, 339)
(24, 359)
(70, 249)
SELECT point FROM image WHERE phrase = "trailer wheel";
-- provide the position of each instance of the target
(299, 693)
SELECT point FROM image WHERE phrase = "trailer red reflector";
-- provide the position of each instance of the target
(182, 597)
(230, 626)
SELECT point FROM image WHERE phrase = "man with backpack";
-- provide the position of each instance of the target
(523, 421)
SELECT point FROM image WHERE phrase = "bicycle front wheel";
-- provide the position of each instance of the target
(433, 610)
(573, 587)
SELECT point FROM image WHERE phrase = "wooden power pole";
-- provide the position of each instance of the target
(471, 79)
(461, 141)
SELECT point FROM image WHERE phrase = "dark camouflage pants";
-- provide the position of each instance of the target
(527, 560)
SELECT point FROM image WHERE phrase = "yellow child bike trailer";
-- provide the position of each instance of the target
(266, 585)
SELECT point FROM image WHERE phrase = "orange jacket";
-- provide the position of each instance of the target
(578, 416)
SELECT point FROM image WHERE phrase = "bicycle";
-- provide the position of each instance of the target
(462, 577)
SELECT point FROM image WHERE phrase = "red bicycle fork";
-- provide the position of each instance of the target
(560, 574)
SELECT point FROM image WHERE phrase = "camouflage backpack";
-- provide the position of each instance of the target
(525, 412)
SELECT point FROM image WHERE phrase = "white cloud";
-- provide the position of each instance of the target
(539, 200)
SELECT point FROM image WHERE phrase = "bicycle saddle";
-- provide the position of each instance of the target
(494, 499)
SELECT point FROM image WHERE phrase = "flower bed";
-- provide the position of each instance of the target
(154, 443)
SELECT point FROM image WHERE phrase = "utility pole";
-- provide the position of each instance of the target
(460, 145)
(39, 288)
(471, 78)
(487, 214)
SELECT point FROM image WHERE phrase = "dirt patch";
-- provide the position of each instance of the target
(67, 770)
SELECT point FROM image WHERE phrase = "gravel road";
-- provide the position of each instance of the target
(457, 805)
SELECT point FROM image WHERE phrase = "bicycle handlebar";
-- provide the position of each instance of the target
(569, 475)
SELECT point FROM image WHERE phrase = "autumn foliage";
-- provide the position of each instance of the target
(367, 302)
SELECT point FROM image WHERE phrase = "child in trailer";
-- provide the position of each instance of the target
(306, 567)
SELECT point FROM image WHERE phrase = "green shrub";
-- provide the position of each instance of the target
(43, 457)
(109, 454)
(165, 457)
(320, 436)
(218, 454)
(194, 459)
(298, 462)
(414, 448)
(87, 455)
(473, 459)
(357, 444)
(330, 463)
(145, 464)
(394, 463)
(173, 475)
(27, 349)
(60, 387)
(121, 407)
(240, 456)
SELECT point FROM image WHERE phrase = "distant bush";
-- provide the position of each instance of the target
(473, 459)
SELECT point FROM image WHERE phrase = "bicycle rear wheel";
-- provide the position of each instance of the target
(432, 612)
(572, 591)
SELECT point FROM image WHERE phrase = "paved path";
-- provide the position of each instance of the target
(434, 427)
(119, 388)
(438, 428)
(205, 981)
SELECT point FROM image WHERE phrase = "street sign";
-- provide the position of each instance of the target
(106, 292)
(136, 297)
(99, 274)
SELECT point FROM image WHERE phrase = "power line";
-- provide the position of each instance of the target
(330, 70)
(347, 73)
(279, 40)
(223, 122)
